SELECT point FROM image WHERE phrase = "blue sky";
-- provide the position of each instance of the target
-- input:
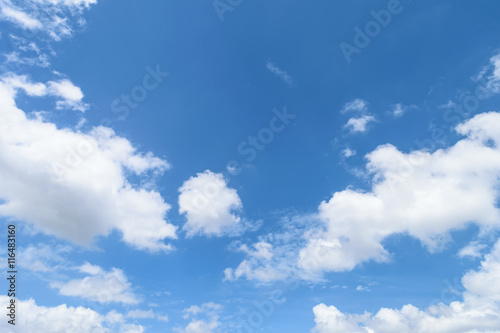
(251, 166)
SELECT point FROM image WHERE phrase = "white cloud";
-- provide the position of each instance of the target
(54, 18)
(14, 14)
(348, 152)
(280, 73)
(356, 105)
(359, 124)
(73, 184)
(478, 312)
(61, 319)
(397, 110)
(71, 95)
(42, 257)
(141, 314)
(100, 286)
(208, 205)
(274, 256)
(423, 194)
(202, 326)
(490, 77)
(362, 288)
(472, 250)
(209, 308)
(207, 325)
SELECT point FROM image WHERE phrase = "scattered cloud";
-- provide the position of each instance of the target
(478, 312)
(209, 205)
(205, 325)
(423, 194)
(280, 73)
(420, 193)
(274, 256)
(54, 18)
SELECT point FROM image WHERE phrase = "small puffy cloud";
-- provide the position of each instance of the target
(64, 318)
(205, 325)
(100, 286)
(209, 205)
(397, 110)
(91, 269)
(358, 105)
(362, 288)
(478, 312)
(71, 95)
(348, 152)
(202, 326)
(280, 73)
(209, 308)
(72, 184)
(359, 124)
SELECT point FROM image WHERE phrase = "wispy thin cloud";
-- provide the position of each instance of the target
(280, 73)
(356, 105)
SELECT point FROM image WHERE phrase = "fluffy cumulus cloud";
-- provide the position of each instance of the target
(62, 319)
(420, 193)
(99, 286)
(478, 312)
(73, 184)
(359, 124)
(210, 205)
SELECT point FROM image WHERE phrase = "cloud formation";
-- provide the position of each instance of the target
(72, 184)
(99, 286)
(209, 205)
(478, 312)
(423, 194)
